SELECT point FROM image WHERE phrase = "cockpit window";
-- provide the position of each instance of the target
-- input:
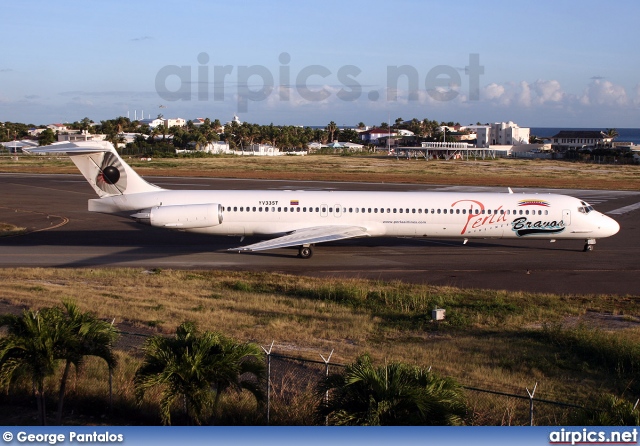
(585, 208)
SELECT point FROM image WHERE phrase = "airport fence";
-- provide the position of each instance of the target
(288, 376)
(292, 382)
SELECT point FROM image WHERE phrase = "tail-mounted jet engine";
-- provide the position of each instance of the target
(189, 216)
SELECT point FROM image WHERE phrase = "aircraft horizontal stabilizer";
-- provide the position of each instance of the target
(72, 148)
(307, 236)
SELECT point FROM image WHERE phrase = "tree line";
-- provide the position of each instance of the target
(237, 135)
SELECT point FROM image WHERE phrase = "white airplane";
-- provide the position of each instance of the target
(303, 218)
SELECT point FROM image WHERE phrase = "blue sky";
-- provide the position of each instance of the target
(547, 63)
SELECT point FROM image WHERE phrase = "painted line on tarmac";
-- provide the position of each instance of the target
(624, 210)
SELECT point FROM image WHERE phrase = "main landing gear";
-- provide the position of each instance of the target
(589, 244)
(305, 252)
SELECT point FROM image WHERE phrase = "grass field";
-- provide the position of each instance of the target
(573, 346)
(370, 168)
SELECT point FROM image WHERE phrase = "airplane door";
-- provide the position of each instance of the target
(324, 210)
(566, 217)
(337, 210)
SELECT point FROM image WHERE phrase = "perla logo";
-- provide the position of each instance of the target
(523, 227)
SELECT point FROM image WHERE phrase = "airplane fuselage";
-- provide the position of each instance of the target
(402, 214)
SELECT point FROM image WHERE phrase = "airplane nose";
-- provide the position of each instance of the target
(610, 226)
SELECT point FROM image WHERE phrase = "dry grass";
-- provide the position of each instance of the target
(499, 172)
(492, 339)
(7, 229)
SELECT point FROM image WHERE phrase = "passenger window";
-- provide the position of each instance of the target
(457, 211)
(259, 209)
(438, 211)
(280, 209)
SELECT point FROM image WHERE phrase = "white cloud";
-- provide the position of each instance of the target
(524, 95)
(602, 92)
(493, 92)
(548, 91)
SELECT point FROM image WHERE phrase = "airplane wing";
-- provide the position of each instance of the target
(307, 236)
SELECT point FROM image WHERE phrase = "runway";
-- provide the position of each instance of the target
(64, 234)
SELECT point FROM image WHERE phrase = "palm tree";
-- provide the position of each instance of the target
(612, 133)
(30, 350)
(331, 129)
(85, 336)
(610, 411)
(196, 368)
(393, 394)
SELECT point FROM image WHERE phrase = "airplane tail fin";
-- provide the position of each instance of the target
(103, 168)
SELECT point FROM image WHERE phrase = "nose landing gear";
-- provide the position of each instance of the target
(589, 244)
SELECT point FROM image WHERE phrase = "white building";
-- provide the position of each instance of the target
(152, 123)
(580, 139)
(80, 136)
(177, 122)
(501, 134)
(259, 150)
(57, 127)
(216, 147)
(372, 136)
